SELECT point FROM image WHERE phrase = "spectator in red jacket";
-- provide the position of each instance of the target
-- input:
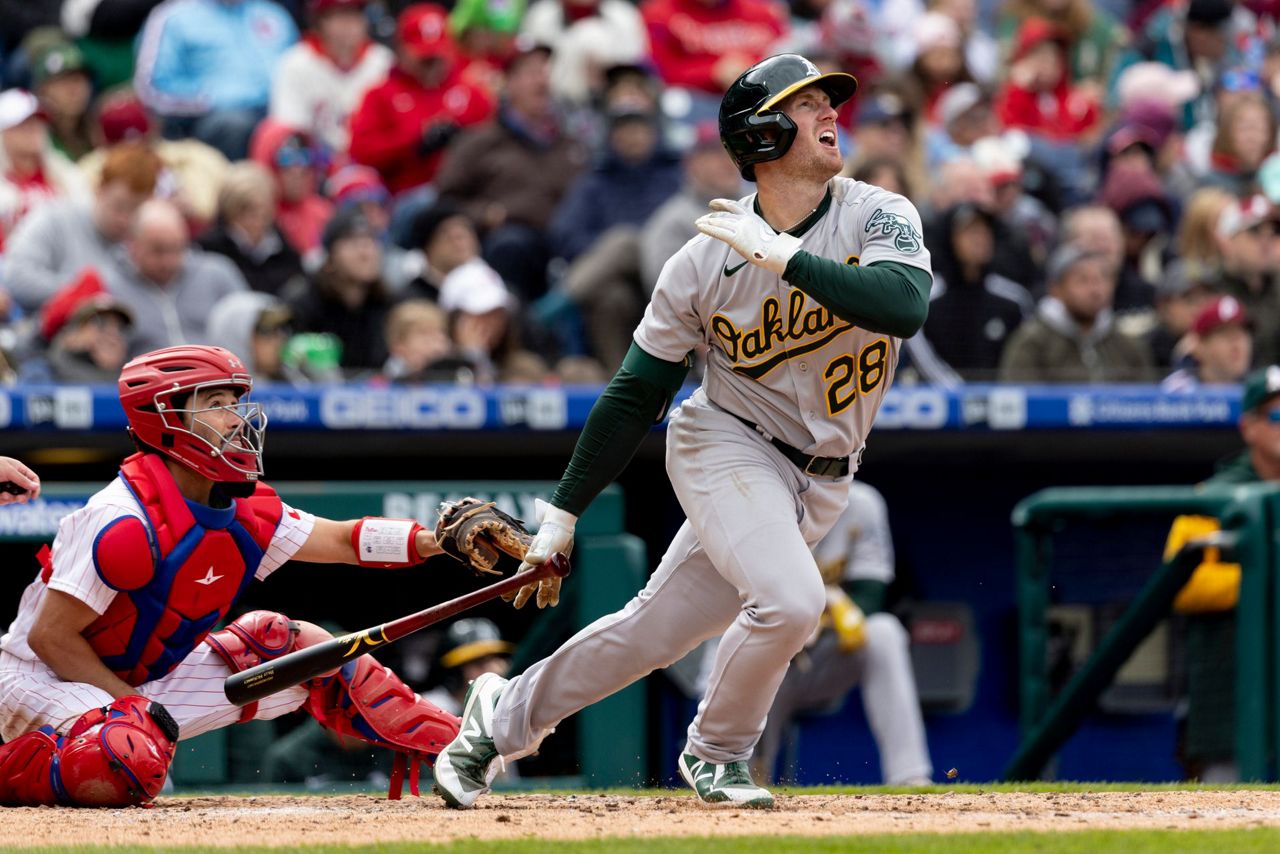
(1038, 96)
(402, 126)
(705, 44)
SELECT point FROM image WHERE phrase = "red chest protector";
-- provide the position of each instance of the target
(179, 572)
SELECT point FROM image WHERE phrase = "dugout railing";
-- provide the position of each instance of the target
(1248, 515)
(609, 566)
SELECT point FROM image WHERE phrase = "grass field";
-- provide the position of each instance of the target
(1038, 817)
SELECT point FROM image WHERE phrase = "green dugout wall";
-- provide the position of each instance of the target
(609, 566)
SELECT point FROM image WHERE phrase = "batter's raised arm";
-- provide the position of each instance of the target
(886, 297)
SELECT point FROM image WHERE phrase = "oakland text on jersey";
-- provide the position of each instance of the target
(753, 346)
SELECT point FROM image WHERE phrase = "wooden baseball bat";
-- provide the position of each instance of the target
(297, 667)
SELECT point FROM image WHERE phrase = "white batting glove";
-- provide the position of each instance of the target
(749, 235)
(555, 535)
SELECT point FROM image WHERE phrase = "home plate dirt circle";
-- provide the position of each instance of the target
(359, 819)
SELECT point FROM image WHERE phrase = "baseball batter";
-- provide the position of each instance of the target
(801, 293)
(112, 658)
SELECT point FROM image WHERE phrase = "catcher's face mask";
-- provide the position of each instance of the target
(232, 428)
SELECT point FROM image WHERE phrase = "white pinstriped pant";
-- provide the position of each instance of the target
(32, 696)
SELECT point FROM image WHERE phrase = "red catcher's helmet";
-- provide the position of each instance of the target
(149, 385)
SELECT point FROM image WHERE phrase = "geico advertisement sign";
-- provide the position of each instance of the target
(427, 408)
(913, 409)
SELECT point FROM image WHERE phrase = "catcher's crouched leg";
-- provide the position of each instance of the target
(367, 701)
(251, 639)
(115, 756)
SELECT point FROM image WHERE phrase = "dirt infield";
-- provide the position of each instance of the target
(284, 820)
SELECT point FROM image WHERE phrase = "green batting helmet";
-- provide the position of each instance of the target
(751, 130)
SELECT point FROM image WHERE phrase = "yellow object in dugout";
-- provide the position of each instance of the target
(1214, 586)
(846, 619)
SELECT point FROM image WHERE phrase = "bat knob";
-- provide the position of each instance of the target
(559, 565)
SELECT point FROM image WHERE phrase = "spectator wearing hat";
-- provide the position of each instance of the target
(479, 305)
(981, 51)
(635, 175)
(32, 173)
(361, 187)
(703, 45)
(1205, 37)
(1181, 293)
(193, 171)
(446, 235)
(1072, 338)
(1221, 348)
(1156, 82)
(62, 237)
(485, 34)
(972, 310)
(511, 174)
(1004, 162)
(346, 297)
(403, 125)
(886, 128)
(1038, 95)
(85, 331)
(1095, 39)
(1244, 232)
(939, 61)
(709, 174)
(245, 231)
(105, 31)
(297, 168)
(256, 326)
(965, 115)
(586, 37)
(1147, 222)
(961, 181)
(1097, 228)
(168, 284)
(321, 80)
(60, 79)
(612, 281)
(184, 53)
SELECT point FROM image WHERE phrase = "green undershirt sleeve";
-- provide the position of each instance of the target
(883, 297)
(634, 400)
(867, 594)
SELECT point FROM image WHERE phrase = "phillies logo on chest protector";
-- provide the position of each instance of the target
(178, 572)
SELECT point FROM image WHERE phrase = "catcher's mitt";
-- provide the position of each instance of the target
(475, 531)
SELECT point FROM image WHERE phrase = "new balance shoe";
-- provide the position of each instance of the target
(466, 767)
(729, 783)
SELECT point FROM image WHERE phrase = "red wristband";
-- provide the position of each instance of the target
(386, 543)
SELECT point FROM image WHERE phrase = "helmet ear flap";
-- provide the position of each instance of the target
(768, 136)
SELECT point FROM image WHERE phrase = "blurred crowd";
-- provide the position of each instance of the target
(395, 192)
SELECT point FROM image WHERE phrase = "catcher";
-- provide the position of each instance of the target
(112, 657)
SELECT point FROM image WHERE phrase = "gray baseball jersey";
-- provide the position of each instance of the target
(742, 564)
(777, 357)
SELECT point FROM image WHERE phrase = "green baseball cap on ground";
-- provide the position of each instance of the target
(1259, 387)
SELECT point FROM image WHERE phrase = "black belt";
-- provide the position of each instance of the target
(807, 463)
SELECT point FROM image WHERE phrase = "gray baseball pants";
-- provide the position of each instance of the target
(740, 565)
